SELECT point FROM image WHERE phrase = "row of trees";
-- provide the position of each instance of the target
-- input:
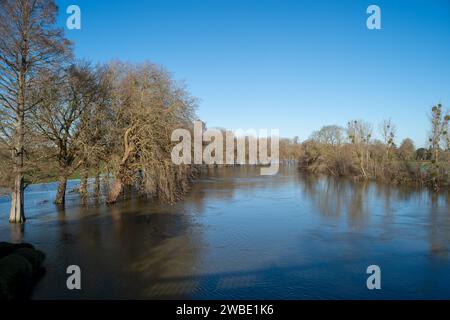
(352, 151)
(59, 117)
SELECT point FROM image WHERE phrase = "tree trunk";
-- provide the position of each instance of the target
(361, 163)
(97, 187)
(106, 179)
(17, 214)
(83, 184)
(118, 182)
(61, 194)
(115, 191)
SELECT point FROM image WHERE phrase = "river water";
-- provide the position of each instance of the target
(239, 235)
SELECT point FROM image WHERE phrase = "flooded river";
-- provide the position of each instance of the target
(239, 235)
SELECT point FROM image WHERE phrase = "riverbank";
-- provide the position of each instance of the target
(417, 176)
(375, 163)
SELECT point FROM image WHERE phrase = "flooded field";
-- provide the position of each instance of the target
(239, 235)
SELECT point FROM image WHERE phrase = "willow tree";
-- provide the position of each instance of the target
(29, 42)
(148, 106)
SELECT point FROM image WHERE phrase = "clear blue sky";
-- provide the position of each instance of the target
(293, 65)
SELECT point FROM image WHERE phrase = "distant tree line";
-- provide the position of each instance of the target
(353, 151)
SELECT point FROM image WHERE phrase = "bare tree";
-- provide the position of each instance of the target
(439, 129)
(360, 133)
(96, 140)
(65, 99)
(29, 42)
(149, 105)
(331, 135)
(407, 150)
(388, 130)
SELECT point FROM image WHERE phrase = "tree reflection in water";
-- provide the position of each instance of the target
(241, 235)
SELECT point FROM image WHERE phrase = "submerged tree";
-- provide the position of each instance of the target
(65, 98)
(29, 43)
(96, 140)
(148, 106)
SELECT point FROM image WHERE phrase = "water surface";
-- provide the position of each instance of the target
(238, 235)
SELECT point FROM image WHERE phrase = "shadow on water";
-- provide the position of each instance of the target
(240, 235)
